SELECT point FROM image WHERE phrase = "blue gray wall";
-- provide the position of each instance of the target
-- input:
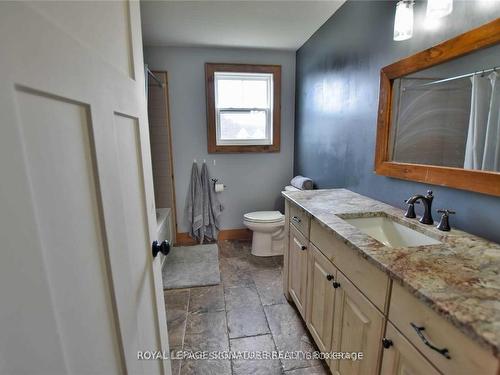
(254, 181)
(337, 97)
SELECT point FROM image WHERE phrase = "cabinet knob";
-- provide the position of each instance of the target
(303, 247)
(329, 277)
(387, 343)
(296, 219)
(336, 284)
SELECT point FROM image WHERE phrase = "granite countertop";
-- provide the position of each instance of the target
(458, 278)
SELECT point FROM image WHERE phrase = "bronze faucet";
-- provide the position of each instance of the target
(427, 201)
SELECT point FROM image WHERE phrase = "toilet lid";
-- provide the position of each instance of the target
(264, 216)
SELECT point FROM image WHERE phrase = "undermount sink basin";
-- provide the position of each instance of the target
(391, 233)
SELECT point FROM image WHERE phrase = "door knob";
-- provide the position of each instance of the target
(336, 285)
(329, 277)
(163, 247)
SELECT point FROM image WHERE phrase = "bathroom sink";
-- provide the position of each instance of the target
(391, 233)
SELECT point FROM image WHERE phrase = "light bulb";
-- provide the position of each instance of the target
(439, 8)
(403, 21)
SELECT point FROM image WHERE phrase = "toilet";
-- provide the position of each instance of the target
(268, 229)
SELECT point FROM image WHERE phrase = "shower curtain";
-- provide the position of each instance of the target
(482, 150)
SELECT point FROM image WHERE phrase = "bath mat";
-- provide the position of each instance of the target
(190, 266)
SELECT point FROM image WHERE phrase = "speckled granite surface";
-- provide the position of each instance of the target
(459, 278)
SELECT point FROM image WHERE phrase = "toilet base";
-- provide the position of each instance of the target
(267, 244)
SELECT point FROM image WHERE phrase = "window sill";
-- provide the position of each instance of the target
(225, 149)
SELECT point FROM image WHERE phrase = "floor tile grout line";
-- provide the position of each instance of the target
(185, 327)
(269, 327)
(187, 317)
(250, 336)
(225, 314)
(282, 365)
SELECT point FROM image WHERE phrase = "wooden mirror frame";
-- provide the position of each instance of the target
(473, 180)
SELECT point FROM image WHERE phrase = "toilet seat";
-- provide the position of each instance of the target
(264, 217)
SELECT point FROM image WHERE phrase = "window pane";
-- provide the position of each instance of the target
(243, 125)
(241, 93)
(255, 94)
(229, 93)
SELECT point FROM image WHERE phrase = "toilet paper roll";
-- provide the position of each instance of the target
(219, 187)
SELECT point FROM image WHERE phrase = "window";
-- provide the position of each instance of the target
(243, 105)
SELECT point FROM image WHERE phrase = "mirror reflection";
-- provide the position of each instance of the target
(449, 115)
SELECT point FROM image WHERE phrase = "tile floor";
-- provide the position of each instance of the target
(246, 312)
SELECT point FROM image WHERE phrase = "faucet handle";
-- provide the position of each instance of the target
(410, 212)
(429, 194)
(444, 224)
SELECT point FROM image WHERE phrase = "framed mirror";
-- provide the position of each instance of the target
(439, 114)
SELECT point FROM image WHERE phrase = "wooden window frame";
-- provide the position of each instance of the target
(474, 180)
(275, 70)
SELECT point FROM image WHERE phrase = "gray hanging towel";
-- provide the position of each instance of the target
(194, 205)
(212, 208)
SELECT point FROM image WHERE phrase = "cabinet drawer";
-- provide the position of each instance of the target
(369, 279)
(300, 219)
(401, 357)
(466, 357)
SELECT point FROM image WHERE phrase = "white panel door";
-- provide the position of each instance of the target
(80, 292)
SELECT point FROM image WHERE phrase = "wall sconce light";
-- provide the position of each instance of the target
(403, 21)
(439, 8)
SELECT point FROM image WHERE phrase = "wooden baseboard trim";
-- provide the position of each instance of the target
(235, 234)
(183, 239)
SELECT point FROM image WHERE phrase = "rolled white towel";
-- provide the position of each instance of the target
(302, 183)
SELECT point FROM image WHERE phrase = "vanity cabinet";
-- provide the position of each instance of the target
(345, 302)
(340, 318)
(373, 282)
(401, 358)
(453, 352)
(322, 275)
(357, 327)
(297, 269)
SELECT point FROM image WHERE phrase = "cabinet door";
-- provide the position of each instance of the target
(357, 328)
(401, 358)
(297, 272)
(320, 298)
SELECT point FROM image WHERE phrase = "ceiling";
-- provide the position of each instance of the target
(247, 24)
